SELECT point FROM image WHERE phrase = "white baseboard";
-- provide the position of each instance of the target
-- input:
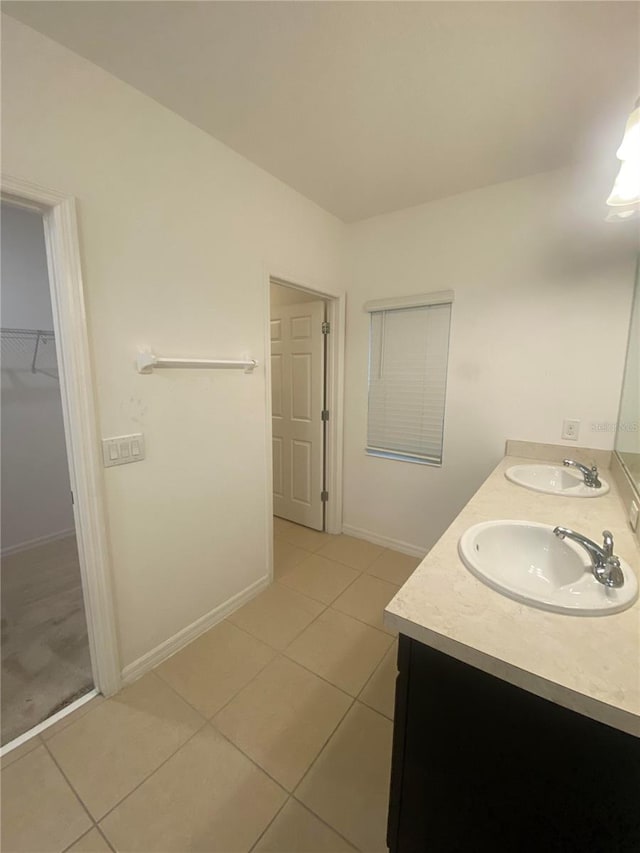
(39, 540)
(385, 541)
(148, 661)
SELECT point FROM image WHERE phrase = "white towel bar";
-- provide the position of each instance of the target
(146, 362)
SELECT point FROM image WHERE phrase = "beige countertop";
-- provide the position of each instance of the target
(589, 664)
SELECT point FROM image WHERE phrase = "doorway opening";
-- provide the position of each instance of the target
(299, 411)
(305, 394)
(46, 663)
(48, 356)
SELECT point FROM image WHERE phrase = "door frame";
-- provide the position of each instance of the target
(336, 311)
(58, 211)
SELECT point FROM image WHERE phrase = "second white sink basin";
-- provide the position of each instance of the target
(554, 480)
(526, 561)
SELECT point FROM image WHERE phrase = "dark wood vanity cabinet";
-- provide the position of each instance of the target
(480, 765)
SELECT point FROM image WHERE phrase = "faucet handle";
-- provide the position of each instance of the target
(610, 574)
(607, 546)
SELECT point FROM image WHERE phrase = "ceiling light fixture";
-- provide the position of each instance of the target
(625, 195)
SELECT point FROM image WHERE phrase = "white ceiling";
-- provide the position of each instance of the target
(368, 107)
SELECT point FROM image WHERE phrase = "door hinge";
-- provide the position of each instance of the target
(324, 415)
(72, 499)
(324, 497)
(326, 327)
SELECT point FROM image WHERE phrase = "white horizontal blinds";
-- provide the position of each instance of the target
(407, 381)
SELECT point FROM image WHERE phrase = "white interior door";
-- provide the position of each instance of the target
(297, 393)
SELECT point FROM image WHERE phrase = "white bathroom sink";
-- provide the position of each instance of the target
(554, 480)
(526, 561)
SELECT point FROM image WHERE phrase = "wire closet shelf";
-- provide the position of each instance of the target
(32, 347)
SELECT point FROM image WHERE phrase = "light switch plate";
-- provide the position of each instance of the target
(122, 449)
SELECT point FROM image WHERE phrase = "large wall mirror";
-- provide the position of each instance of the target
(628, 432)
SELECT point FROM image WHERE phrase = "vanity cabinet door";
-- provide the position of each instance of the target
(479, 764)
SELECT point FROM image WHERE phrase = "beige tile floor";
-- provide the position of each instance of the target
(270, 733)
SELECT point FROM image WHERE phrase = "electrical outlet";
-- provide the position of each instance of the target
(570, 430)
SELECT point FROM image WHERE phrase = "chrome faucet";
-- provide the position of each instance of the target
(604, 563)
(590, 475)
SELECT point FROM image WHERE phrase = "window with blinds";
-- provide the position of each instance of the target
(408, 353)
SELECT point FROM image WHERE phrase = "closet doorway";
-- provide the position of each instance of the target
(46, 663)
(53, 627)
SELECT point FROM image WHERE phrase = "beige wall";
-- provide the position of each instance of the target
(543, 290)
(282, 295)
(178, 235)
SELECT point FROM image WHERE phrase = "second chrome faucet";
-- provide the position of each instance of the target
(590, 475)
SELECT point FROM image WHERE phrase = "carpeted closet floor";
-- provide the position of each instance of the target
(45, 650)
